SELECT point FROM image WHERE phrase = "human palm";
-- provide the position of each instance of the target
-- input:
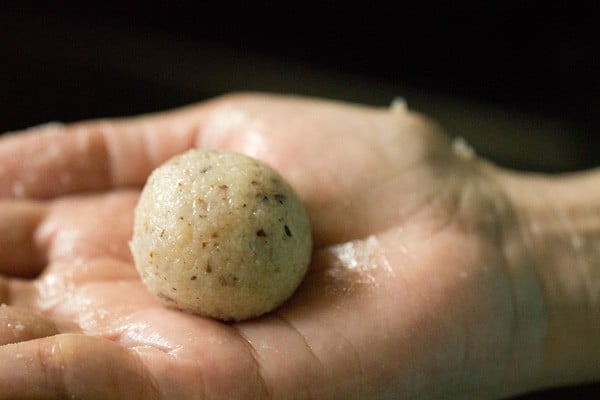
(409, 293)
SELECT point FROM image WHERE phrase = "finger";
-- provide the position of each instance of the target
(52, 159)
(19, 324)
(34, 233)
(58, 159)
(19, 254)
(72, 366)
(88, 227)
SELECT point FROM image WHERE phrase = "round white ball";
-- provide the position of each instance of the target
(220, 234)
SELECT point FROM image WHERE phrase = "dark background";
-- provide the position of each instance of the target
(518, 80)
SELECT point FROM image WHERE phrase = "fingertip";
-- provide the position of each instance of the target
(58, 159)
(51, 160)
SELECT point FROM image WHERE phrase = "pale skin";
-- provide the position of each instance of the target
(434, 273)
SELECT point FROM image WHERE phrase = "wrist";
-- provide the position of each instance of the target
(558, 224)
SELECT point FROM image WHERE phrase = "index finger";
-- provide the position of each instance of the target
(58, 159)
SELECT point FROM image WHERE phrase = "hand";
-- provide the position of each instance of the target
(416, 287)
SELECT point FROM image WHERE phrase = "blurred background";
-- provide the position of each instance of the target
(519, 81)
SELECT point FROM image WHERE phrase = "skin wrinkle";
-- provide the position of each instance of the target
(149, 388)
(502, 238)
(253, 354)
(449, 217)
(186, 136)
(308, 348)
(89, 150)
(150, 382)
(202, 385)
(362, 371)
(54, 351)
(406, 216)
(427, 203)
(453, 219)
(514, 317)
(150, 153)
(513, 329)
(522, 231)
(452, 215)
(356, 354)
(461, 208)
(428, 200)
(113, 160)
(117, 159)
(52, 363)
(122, 337)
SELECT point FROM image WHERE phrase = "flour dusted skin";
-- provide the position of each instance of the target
(220, 234)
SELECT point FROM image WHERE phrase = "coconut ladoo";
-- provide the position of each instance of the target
(220, 234)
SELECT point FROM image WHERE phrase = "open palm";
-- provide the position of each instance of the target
(410, 291)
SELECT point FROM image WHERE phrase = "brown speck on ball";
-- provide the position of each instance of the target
(280, 198)
(261, 233)
(244, 274)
